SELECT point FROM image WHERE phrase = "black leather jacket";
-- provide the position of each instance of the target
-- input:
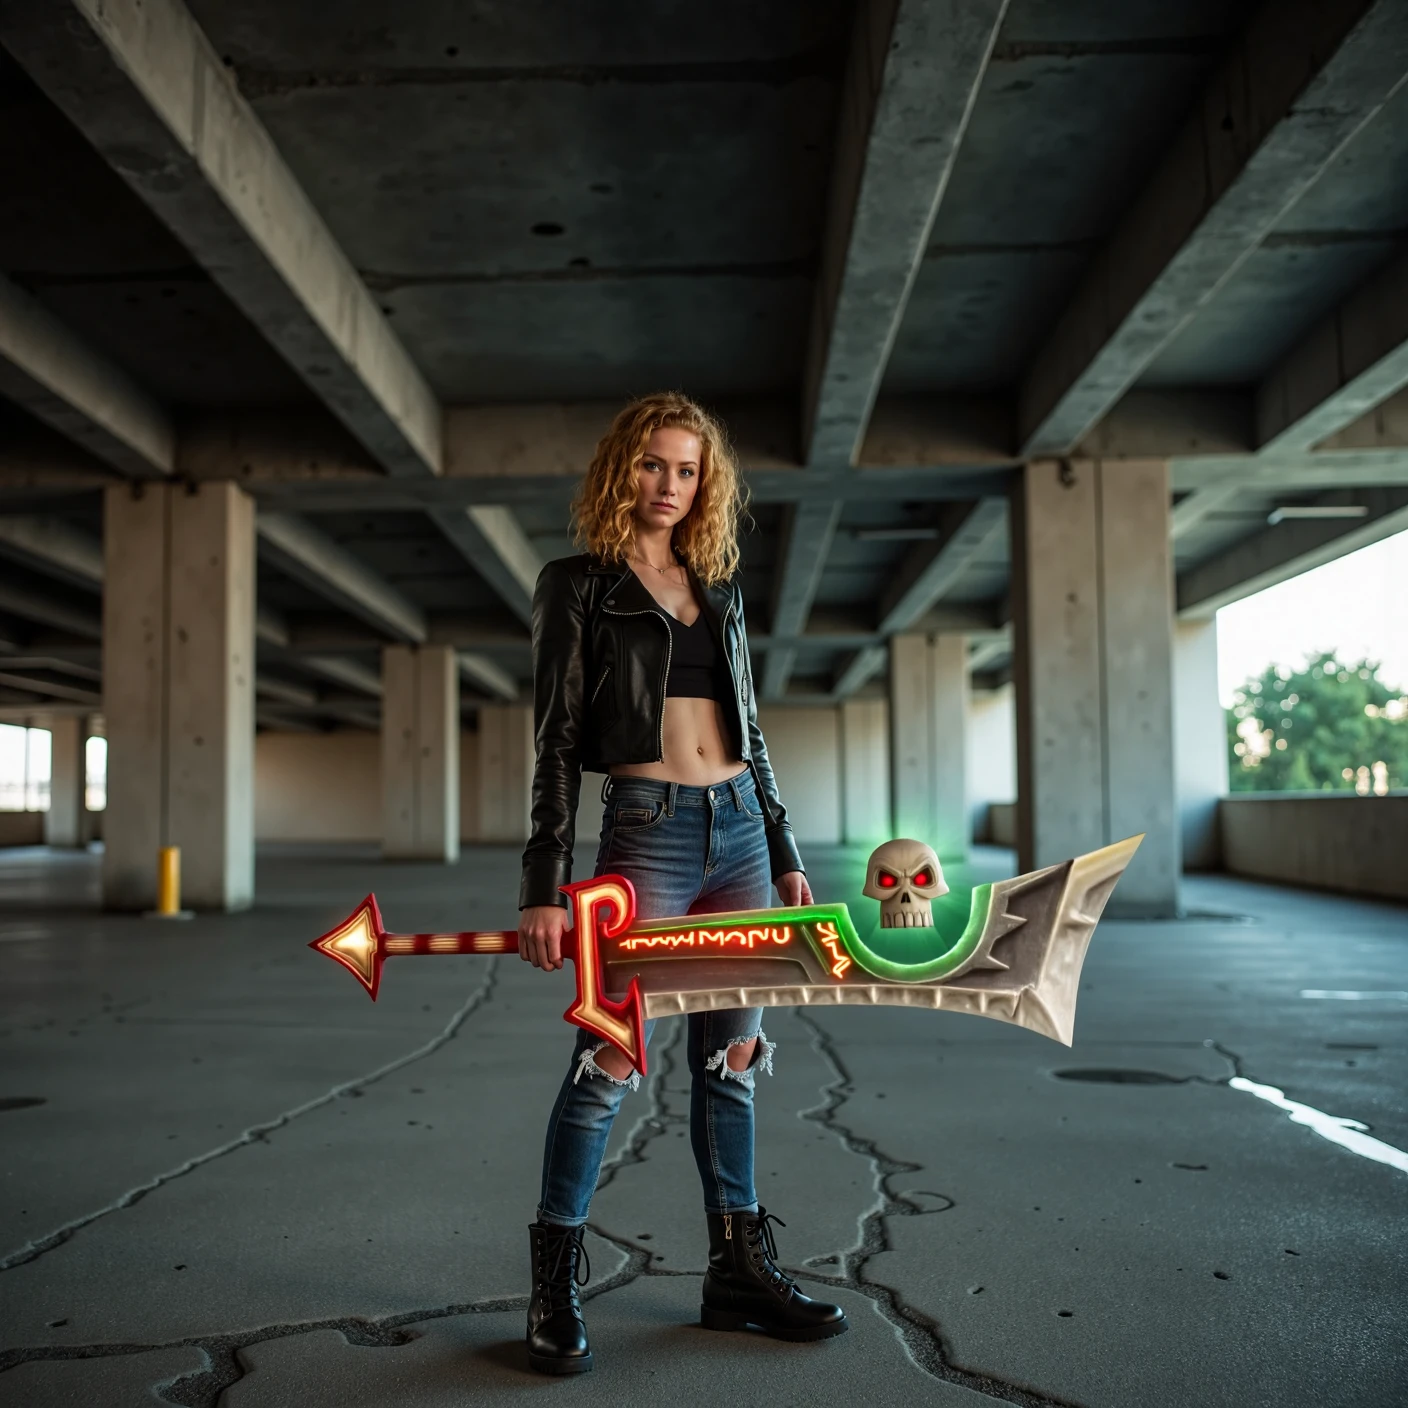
(601, 653)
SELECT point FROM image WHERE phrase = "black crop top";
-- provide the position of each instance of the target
(695, 665)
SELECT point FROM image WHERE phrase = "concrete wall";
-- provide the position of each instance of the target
(804, 746)
(22, 828)
(1323, 840)
(992, 764)
(1199, 742)
(865, 772)
(317, 786)
(327, 786)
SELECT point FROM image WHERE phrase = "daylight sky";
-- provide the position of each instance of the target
(1357, 606)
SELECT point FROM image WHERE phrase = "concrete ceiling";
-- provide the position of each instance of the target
(550, 209)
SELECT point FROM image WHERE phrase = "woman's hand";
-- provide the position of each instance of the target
(793, 889)
(540, 931)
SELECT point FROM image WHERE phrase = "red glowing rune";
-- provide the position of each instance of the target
(709, 939)
(830, 940)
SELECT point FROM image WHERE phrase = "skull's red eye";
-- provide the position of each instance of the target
(886, 881)
(923, 878)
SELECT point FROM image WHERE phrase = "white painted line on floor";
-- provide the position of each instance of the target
(1332, 995)
(1349, 1134)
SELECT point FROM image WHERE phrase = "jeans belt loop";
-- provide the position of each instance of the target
(606, 789)
(670, 795)
(737, 794)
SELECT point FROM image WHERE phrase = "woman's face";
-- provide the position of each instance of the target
(668, 478)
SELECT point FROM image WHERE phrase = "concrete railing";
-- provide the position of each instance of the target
(1324, 840)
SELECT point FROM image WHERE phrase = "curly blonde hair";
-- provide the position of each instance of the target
(604, 509)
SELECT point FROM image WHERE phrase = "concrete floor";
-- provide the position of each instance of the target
(228, 1178)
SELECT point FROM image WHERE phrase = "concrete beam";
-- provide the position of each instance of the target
(859, 670)
(349, 672)
(1289, 548)
(30, 605)
(285, 691)
(1164, 423)
(931, 569)
(143, 84)
(984, 654)
(324, 566)
(807, 533)
(52, 689)
(53, 546)
(1355, 359)
(1300, 81)
(1191, 510)
(914, 71)
(488, 676)
(278, 720)
(270, 626)
(307, 492)
(55, 376)
(492, 541)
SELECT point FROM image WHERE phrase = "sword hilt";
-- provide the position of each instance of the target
(471, 941)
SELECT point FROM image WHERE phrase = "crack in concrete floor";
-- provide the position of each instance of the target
(34, 1249)
(920, 1335)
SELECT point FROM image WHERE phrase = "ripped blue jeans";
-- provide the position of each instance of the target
(687, 850)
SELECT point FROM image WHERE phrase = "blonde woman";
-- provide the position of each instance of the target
(640, 670)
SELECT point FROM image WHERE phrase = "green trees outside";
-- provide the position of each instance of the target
(1330, 726)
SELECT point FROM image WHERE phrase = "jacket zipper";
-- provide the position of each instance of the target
(742, 684)
(664, 674)
(605, 675)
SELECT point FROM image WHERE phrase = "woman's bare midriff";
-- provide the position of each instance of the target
(697, 753)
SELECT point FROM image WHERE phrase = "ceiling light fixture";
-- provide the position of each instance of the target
(1289, 511)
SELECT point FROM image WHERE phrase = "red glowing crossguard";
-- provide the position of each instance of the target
(603, 908)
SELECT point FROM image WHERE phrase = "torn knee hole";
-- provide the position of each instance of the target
(742, 1056)
(606, 1069)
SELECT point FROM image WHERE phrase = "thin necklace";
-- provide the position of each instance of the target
(661, 570)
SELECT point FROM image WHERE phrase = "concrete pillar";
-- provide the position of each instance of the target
(178, 692)
(992, 763)
(865, 772)
(420, 757)
(928, 750)
(63, 822)
(1200, 742)
(505, 771)
(1092, 601)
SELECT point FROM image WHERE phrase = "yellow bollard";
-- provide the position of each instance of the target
(168, 886)
(168, 881)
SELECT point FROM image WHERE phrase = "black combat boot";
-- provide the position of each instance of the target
(743, 1285)
(557, 1334)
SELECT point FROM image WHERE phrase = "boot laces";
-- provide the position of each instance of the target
(566, 1266)
(761, 1239)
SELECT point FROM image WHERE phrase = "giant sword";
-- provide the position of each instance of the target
(1018, 958)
